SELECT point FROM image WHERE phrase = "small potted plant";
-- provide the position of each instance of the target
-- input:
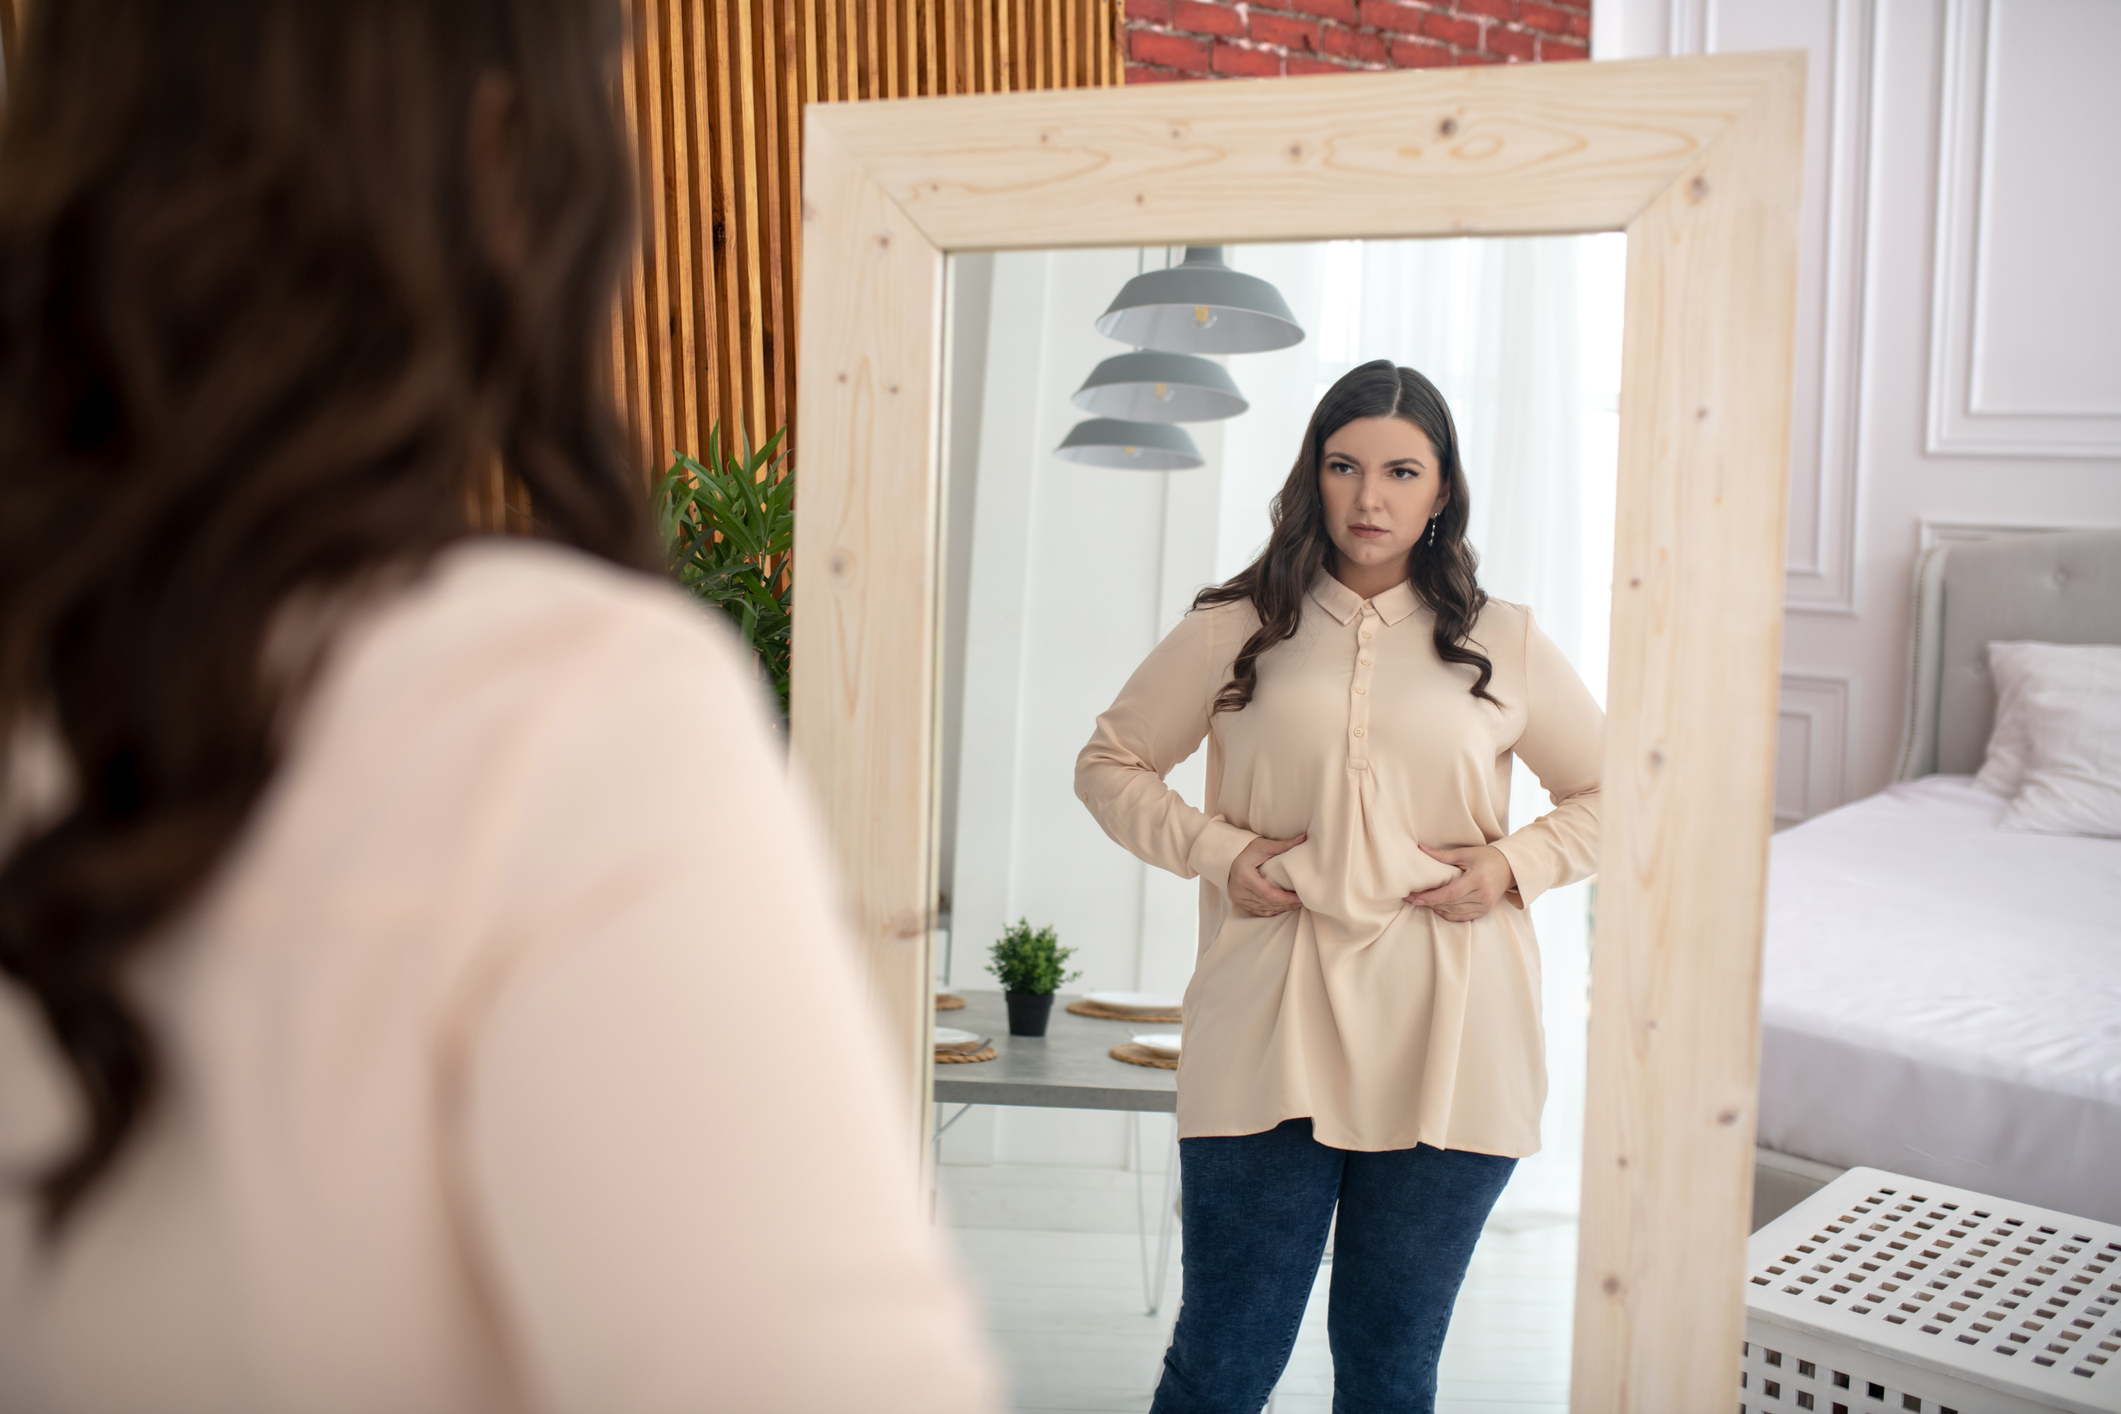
(1030, 964)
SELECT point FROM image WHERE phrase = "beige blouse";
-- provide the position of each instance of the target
(481, 1092)
(1387, 1026)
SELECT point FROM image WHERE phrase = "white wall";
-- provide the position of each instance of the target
(1959, 357)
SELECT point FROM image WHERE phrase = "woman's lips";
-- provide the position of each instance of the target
(1367, 532)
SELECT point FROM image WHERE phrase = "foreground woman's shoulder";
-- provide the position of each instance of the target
(508, 580)
(504, 623)
(499, 588)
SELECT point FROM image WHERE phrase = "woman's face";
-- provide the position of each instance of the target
(1381, 483)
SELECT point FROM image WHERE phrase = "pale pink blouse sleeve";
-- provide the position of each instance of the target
(685, 1173)
(1158, 720)
(1564, 745)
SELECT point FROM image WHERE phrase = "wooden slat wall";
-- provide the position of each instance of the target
(713, 91)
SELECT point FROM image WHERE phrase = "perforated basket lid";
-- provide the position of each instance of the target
(2002, 1294)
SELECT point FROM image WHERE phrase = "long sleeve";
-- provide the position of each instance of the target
(688, 1198)
(1158, 720)
(1564, 744)
(515, 1060)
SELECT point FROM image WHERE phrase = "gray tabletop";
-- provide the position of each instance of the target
(1067, 1068)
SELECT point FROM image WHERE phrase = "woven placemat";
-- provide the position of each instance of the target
(962, 1058)
(1105, 1013)
(1138, 1055)
(948, 1001)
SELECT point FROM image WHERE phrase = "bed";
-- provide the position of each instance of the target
(1941, 997)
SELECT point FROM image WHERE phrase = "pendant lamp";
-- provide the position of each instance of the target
(1201, 306)
(1129, 446)
(1152, 386)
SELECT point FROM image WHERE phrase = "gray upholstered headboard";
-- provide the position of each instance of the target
(2059, 588)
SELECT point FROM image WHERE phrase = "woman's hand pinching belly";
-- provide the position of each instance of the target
(1484, 876)
(1251, 890)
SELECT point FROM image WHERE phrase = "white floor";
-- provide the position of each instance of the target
(1055, 1254)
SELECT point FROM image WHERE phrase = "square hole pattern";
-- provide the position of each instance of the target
(1988, 1288)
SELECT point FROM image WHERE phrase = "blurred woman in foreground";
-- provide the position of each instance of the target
(390, 917)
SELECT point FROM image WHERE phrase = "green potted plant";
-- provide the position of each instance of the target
(1030, 962)
(729, 524)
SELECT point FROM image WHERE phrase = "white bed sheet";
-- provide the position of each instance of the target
(1942, 998)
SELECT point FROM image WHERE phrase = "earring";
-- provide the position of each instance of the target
(1432, 532)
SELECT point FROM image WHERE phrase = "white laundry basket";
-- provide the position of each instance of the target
(1882, 1292)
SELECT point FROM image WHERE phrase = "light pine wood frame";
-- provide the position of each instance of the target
(1699, 161)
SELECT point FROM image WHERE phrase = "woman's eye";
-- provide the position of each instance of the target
(1405, 473)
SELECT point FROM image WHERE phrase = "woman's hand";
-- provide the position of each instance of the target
(1484, 876)
(1250, 890)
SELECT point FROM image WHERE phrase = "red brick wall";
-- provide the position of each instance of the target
(1201, 39)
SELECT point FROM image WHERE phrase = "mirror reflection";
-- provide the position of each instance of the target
(1274, 839)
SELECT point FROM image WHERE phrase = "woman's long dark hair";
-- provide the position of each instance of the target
(267, 322)
(1443, 573)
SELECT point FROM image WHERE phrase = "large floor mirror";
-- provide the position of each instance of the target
(1006, 506)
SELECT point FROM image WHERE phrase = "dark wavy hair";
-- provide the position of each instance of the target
(282, 283)
(1443, 573)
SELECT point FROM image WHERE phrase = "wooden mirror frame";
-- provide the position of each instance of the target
(1699, 160)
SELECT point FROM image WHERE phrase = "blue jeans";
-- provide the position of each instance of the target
(1256, 1211)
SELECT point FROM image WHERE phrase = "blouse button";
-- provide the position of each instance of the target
(1360, 691)
(1366, 662)
(1365, 633)
(1358, 731)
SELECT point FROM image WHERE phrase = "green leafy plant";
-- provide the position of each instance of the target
(1031, 960)
(729, 524)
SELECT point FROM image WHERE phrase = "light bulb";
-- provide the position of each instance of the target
(1163, 392)
(1203, 316)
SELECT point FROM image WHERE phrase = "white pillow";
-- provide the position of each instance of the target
(2018, 670)
(2069, 707)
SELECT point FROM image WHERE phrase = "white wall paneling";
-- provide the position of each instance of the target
(1826, 443)
(1811, 763)
(2025, 358)
(1959, 338)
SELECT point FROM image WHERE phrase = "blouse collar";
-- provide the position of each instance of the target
(1344, 604)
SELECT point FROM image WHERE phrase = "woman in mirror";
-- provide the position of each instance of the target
(1362, 1029)
(397, 924)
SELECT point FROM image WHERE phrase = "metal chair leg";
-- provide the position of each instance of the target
(936, 1166)
(1141, 1218)
(1164, 1223)
(1153, 1279)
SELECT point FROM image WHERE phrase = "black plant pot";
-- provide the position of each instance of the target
(1028, 1012)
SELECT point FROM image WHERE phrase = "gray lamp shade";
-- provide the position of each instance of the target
(1160, 387)
(1130, 446)
(1201, 306)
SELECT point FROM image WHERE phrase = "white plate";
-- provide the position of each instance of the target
(1160, 1043)
(951, 1036)
(1133, 1001)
